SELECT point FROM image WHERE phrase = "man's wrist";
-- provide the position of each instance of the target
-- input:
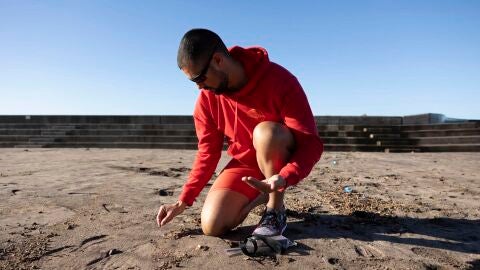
(284, 186)
(283, 180)
(182, 204)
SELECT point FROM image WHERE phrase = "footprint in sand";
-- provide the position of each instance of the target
(165, 192)
(104, 255)
(90, 239)
(114, 208)
(333, 261)
(171, 172)
(438, 256)
(368, 251)
(145, 256)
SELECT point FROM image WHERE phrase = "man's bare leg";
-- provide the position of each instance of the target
(225, 209)
(273, 143)
(262, 198)
(222, 211)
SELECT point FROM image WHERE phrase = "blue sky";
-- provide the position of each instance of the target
(352, 57)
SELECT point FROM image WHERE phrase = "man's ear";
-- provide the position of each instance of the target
(218, 59)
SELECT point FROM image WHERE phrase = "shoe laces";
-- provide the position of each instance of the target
(270, 218)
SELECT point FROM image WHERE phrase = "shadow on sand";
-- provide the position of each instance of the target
(460, 235)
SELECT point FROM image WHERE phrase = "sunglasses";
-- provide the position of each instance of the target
(201, 77)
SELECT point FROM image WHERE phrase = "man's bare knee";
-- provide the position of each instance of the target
(264, 131)
(212, 228)
(269, 134)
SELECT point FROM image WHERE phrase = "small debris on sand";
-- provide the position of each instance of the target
(202, 247)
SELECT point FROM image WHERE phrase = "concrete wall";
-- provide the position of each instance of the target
(358, 120)
(95, 119)
(429, 118)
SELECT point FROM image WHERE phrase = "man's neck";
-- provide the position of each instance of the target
(238, 75)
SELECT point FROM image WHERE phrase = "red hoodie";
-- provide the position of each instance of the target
(271, 94)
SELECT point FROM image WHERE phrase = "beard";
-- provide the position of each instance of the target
(222, 87)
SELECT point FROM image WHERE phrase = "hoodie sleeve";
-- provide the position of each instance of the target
(298, 117)
(210, 145)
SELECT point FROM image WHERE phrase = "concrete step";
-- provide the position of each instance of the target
(364, 141)
(163, 132)
(447, 140)
(368, 148)
(62, 127)
(362, 128)
(99, 126)
(14, 138)
(395, 148)
(328, 140)
(170, 145)
(53, 133)
(144, 139)
(4, 131)
(402, 150)
(22, 126)
(7, 144)
(112, 132)
(137, 126)
(132, 132)
(74, 119)
(328, 147)
(441, 133)
(381, 130)
(465, 125)
(357, 134)
(42, 140)
(365, 120)
(450, 148)
(28, 146)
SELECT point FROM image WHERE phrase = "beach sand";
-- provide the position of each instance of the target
(96, 208)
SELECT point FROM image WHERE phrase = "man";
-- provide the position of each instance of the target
(272, 137)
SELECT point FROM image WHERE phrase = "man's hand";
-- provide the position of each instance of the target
(268, 185)
(167, 212)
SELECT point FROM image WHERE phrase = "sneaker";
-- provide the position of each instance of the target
(272, 223)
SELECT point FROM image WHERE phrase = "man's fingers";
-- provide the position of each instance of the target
(160, 215)
(260, 185)
(167, 218)
(273, 185)
(276, 185)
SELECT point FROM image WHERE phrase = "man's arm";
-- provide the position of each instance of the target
(298, 117)
(210, 145)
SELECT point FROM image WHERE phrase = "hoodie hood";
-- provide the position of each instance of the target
(255, 61)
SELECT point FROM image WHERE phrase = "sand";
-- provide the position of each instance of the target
(96, 208)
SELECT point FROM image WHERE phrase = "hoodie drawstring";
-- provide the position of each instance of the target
(235, 124)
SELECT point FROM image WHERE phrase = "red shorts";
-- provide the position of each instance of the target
(231, 178)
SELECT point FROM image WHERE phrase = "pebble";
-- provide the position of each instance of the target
(113, 251)
(201, 247)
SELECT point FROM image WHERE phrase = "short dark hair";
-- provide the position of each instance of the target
(196, 45)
